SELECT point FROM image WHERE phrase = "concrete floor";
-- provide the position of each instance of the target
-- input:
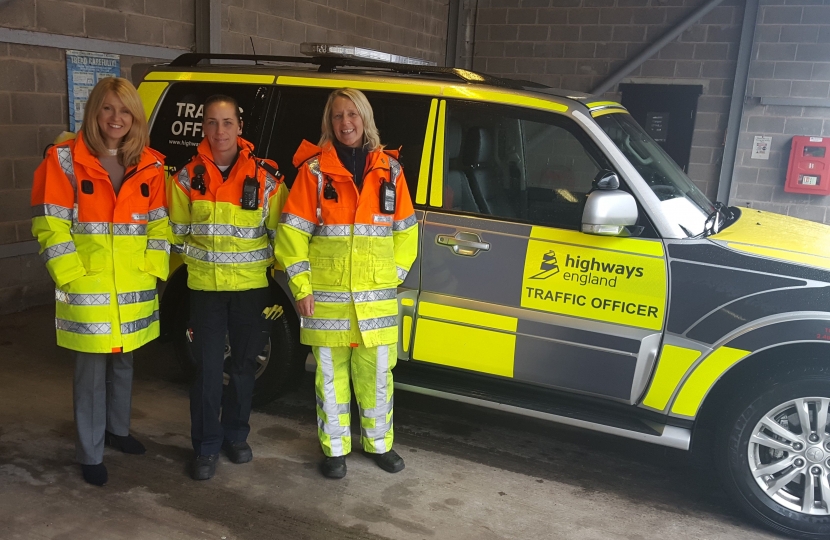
(471, 473)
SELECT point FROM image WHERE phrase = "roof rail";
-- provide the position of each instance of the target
(329, 64)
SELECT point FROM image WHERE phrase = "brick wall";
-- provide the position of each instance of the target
(33, 106)
(33, 95)
(575, 44)
(33, 111)
(791, 59)
(408, 27)
(164, 23)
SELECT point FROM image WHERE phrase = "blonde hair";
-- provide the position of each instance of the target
(134, 142)
(371, 136)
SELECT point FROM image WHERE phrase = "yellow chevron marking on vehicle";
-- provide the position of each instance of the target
(436, 195)
(595, 104)
(150, 92)
(478, 94)
(603, 112)
(653, 248)
(703, 378)
(407, 302)
(401, 88)
(426, 155)
(579, 281)
(485, 351)
(784, 255)
(407, 333)
(467, 316)
(209, 77)
(673, 364)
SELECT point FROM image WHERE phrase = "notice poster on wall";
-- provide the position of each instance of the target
(83, 71)
(760, 147)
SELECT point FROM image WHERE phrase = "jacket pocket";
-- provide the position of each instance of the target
(327, 272)
(247, 218)
(385, 272)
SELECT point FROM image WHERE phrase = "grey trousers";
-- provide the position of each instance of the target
(102, 396)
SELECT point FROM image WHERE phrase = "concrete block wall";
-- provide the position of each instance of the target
(33, 111)
(167, 23)
(33, 94)
(790, 59)
(575, 44)
(408, 27)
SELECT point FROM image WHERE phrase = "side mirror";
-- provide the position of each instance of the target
(609, 212)
(606, 180)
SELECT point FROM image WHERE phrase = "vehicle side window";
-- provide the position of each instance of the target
(177, 127)
(517, 164)
(401, 120)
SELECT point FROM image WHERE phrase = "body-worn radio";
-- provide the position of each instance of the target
(387, 197)
(250, 194)
(198, 181)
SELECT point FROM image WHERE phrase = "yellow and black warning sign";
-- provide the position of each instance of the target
(610, 286)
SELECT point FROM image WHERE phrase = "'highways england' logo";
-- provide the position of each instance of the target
(549, 267)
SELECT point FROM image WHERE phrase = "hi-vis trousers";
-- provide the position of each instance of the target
(371, 374)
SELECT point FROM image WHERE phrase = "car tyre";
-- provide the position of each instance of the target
(764, 472)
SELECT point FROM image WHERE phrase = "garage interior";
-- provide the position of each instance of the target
(737, 72)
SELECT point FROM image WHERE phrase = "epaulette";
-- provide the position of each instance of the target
(270, 169)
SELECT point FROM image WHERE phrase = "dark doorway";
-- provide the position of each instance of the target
(667, 113)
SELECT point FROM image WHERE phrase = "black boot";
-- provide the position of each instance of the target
(204, 467)
(389, 461)
(125, 443)
(238, 452)
(334, 467)
(95, 474)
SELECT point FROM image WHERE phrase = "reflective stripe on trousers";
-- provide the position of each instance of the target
(369, 369)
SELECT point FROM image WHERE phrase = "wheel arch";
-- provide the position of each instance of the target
(745, 374)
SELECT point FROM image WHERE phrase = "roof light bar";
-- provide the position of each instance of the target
(349, 51)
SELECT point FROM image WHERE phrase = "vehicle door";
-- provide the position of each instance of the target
(510, 287)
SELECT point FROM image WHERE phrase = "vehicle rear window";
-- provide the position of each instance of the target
(177, 127)
(401, 120)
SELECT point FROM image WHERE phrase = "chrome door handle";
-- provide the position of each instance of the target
(463, 243)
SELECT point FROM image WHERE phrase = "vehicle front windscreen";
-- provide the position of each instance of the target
(681, 200)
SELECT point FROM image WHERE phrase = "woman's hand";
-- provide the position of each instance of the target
(306, 306)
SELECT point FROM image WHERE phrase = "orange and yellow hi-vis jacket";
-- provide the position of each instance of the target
(103, 251)
(225, 247)
(345, 251)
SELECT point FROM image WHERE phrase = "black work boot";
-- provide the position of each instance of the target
(95, 474)
(334, 467)
(389, 461)
(125, 443)
(204, 467)
(238, 452)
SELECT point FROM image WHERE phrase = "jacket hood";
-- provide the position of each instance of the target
(780, 237)
(305, 152)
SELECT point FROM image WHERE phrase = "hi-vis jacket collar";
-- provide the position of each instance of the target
(82, 155)
(246, 149)
(330, 163)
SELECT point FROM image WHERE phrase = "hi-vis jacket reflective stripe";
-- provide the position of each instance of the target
(345, 252)
(225, 247)
(104, 252)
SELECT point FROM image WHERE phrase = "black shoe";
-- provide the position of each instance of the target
(204, 467)
(238, 452)
(126, 443)
(334, 467)
(389, 461)
(95, 474)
